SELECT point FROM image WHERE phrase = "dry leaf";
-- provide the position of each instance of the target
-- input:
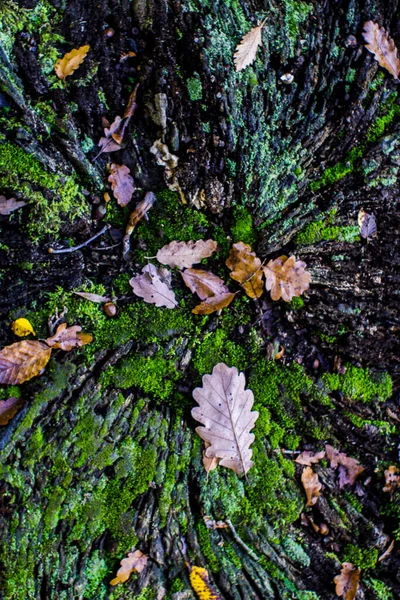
(347, 581)
(208, 287)
(136, 561)
(169, 161)
(119, 132)
(349, 468)
(367, 224)
(210, 464)
(152, 289)
(22, 361)
(312, 485)
(211, 524)
(382, 46)
(136, 215)
(225, 411)
(70, 62)
(286, 278)
(246, 50)
(68, 338)
(213, 304)
(392, 479)
(22, 327)
(200, 582)
(308, 458)
(121, 183)
(107, 143)
(387, 552)
(185, 254)
(246, 269)
(8, 408)
(93, 297)
(7, 206)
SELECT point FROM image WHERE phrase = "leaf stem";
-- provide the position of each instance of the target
(73, 248)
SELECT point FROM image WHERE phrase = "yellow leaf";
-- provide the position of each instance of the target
(199, 581)
(70, 61)
(22, 327)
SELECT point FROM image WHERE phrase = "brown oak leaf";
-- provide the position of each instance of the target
(185, 254)
(136, 561)
(285, 278)
(152, 288)
(208, 287)
(8, 206)
(247, 48)
(8, 408)
(349, 468)
(308, 458)
(22, 361)
(246, 269)
(382, 46)
(347, 582)
(70, 61)
(121, 183)
(392, 479)
(107, 142)
(312, 485)
(68, 338)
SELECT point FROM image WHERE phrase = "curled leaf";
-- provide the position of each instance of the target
(392, 479)
(367, 224)
(285, 278)
(107, 142)
(152, 289)
(22, 361)
(70, 61)
(308, 458)
(349, 468)
(68, 338)
(136, 215)
(347, 582)
(22, 327)
(136, 561)
(208, 287)
(200, 582)
(246, 269)
(8, 408)
(312, 485)
(225, 411)
(8, 206)
(185, 254)
(382, 46)
(121, 183)
(247, 48)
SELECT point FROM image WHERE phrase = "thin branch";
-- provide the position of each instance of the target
(73, 248)
(249, 551)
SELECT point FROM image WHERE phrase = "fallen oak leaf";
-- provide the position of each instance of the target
(225, 412)
(312, 485)
(382, 47)
(152, 289)
(185, 254)
(367, 224)
(121, 183)
(208, 287)
(68, 338)
(246, 50)
(285, 278)
(23, 361)
(119, 132)
(392, 479)
(213, 304)
(107, 143)
(200, 582)
(8, 408)
(246, 269)
(8, 206)
(22, 327)
(93, 297)
(349, 468)
(136, 561)
(66, 65)
(308, 458)
(347, 582)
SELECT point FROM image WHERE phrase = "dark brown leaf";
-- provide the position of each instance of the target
(121, 183)
(347, 581)
(8, 408)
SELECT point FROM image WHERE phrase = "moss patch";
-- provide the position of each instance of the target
(360, 385)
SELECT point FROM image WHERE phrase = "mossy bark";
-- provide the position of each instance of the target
(103, 456)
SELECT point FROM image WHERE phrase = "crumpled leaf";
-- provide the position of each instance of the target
(367, 224)
(392, 479)
(308, 458)
(136, 561)
(246, 50)
(93, 297)
(382, 46)
(185, 254)
(246, 269)
(70, 61)
(225, 411)
(285, 278)
(208, 287)
(22, 327)
(121, 183)
(312, 485)
(347, 582)
(119, 132)
(152, 289)
(68, 338)
(169, 161)
(22, 361)
(7, 206)
(349, 468)
(107, 143)
(136, 215)
(210, 464)
(8, 408)
(211, 524)
(200, 582)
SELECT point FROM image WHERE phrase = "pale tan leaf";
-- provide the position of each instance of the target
(225, 411)
(152, 289)
(70, 62)
(68, 338)
(136, 561)
(246, 269)
(204, 283)
(22, 361)
(185, 254)
(312, 485)
(121, 183)
(382, 46)
(209, 463)
(211, 524)
(247, 48)
(349, 468)
(285, 278)
(7, 206)
(93, 297)
(308, 458)
(107, 143)
(8, 408)
(347, 582)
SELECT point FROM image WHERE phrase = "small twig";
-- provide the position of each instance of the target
(107, 247)
(249, 551)
(73, 248)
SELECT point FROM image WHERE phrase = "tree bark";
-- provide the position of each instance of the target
(103, 457)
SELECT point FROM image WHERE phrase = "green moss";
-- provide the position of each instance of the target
(10, 391)
(96, 571)
(296, 13)
(195, 87)
(381, 589)
(242, 229)
(359, 384)
(390, 111)
(364, 558)
(217, 347)
(297, 303)
(203, 537)
(324, 230)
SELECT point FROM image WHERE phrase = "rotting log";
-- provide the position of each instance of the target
(103, 457)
